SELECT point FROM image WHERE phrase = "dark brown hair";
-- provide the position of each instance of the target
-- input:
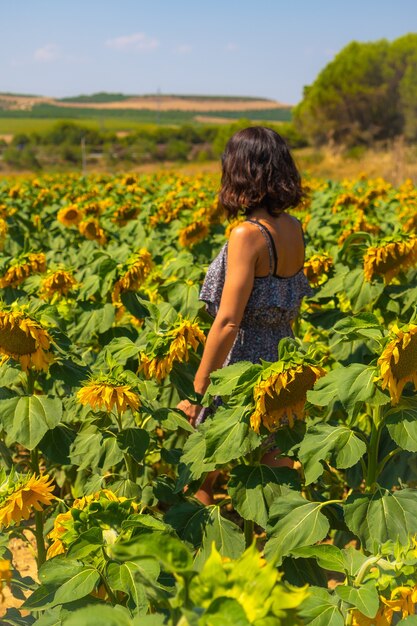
(258, 171)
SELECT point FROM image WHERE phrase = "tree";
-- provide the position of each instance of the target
(368, 92)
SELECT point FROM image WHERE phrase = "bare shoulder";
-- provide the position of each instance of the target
(245, 238)
(244, 233)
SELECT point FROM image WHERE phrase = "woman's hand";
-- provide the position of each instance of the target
(191, 410)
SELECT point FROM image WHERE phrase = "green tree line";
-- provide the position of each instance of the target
(366, 94)
(62, 145)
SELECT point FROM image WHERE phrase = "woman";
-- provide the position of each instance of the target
(255, 285)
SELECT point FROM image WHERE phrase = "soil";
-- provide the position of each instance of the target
(25, 563)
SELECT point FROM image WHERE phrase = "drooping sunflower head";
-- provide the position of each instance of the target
(70, 215)
(21, 267)
(91, 229)
(57, 283)
(185, 336)
(133, 273)
(21, 494)
(24, 340)
(398, 361)
(192, 234)
(124, 213)
(280, 392)
(317, 268)
(106, 392)
(390, 258)
(171, 346)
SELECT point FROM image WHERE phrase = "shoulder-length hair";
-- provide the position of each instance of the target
(258, 171)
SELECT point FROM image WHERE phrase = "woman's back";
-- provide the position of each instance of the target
(278, 287)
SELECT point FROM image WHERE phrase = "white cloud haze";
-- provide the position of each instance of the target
(136, 41)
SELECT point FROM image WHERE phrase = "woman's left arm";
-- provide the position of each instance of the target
(241, 261)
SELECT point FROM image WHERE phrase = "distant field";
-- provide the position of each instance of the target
(121, 112)
(44, 116)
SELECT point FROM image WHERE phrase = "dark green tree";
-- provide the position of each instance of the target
(367, 93)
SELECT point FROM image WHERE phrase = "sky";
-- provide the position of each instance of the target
(261, 48)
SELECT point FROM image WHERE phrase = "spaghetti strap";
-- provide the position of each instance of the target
(273, 257)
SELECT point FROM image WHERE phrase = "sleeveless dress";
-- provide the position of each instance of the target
(273, 304)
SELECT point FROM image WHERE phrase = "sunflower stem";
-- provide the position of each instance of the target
(387, 458)
(129, 461)
(373, 447)
(248, 529)
(39, 526)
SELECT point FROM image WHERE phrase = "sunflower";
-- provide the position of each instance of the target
(155, 367)
(403, 600)
(5, 575)
(64, 522)
(22, 267)
(3, 230)
(192, 234)
(175, 347)
(137, 268)
(124, 213)
(317, 267)
(106, 392)
(25, 340)
(390, 258)
(398, 361)
(91, 229)
(59, 282)
(70, 215)
(382, 618)
(280, 395)
(20, 494)
(184, 336)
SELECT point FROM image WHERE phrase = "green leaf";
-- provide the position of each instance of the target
(321, 609)
(134, 441)
(364, 598)
(233, 378)
(382, 516)
(193, 460)
(224, 612)
(327, 556)
(137, 306)
(170, 551)
(127, 577)
(363, 325)
(26, 419)
(86, 543)
(357, 386)
(102, 615)
(93, 450)
(58, 570)
(93, 321)
(301, 523)
(189, 519)
(56, 444)
(337, 444)
(221, 439)
(253, 489)
(402, 424)
(228, 435)
(411, 620)
(78, 586)
(227, 537)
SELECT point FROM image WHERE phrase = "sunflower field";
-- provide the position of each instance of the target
(101, 333)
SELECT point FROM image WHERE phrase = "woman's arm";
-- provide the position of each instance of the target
(243, 251)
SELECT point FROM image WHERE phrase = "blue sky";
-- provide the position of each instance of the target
(249, 47)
